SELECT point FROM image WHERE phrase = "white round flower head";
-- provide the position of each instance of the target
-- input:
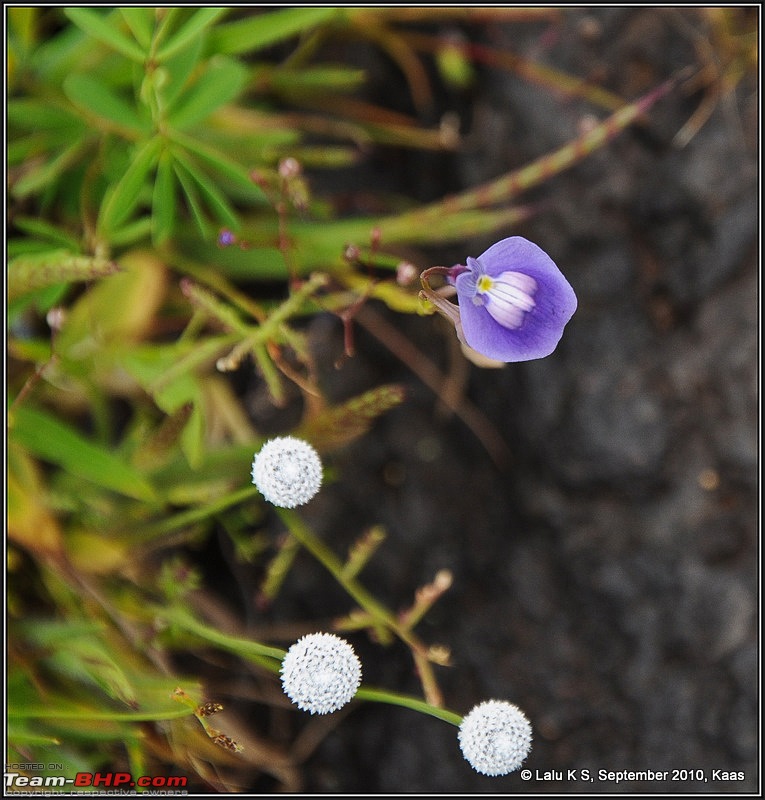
(287, 471)
(321, 673)
(495, 737)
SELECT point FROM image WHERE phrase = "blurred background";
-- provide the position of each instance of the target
(597, 509)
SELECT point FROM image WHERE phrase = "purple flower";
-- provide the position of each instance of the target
(226, 238)
(513, 301)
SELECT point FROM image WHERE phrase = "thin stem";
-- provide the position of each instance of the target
(186, 518)
(89, 714)
(268, 657)
(415, 704)
(332, 564)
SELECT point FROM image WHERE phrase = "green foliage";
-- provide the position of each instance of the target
(135, 136)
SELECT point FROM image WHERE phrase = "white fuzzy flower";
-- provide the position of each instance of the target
(321, 673)
(287, 471)
(495, 737)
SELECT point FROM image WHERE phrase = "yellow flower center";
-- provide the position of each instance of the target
(484, 284)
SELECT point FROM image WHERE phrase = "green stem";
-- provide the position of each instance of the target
(193, 515)
(100, 716)
(291, 305)
(332, 563)
(413, 703)
(268, 657)
(329, 560)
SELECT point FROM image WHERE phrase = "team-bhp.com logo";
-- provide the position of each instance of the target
(114, 780)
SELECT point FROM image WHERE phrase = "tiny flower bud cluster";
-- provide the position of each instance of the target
(287, 471)
(321, 673)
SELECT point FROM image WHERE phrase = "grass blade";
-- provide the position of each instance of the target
(52, 440)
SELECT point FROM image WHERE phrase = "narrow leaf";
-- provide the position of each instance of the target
(192, 198)
(103, 28)
(221, 163)
(202, 19)
(124, 196)
(219, 84)
(52, 440)
(89, 93)
(179, 70)
(40, 229)
(215, 199)
(46, 174)
(36, 115)
(263, 30)
(140, 20)
(88, 662)
(163, 201)
(312, 79)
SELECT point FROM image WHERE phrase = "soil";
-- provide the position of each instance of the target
(606, 574)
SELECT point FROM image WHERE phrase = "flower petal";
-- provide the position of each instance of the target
(509, 297)
(541, 327)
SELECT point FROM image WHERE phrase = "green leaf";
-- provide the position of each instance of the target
(40, 299)
(252, 263)
(141, 21)
(219, 84)
(44, 176)
(215, 199)
(52, 440)
(103, 28)
(193, 199)
(178, 71)
(315, 79)
(263, 30)
(222, 164)
(132, 232)
(202, 19)
(41, 229)
(167, 375)
(88, 92)
(88, 661)
(163, 201)
(124, 197)
(36, 115)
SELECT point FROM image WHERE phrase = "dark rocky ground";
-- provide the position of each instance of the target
(606, 577)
